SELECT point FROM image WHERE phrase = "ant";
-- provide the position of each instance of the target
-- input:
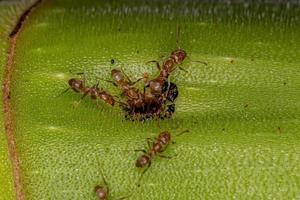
(94, 92)
(169, 65)
(155, 149)
(121, 80)
(102, 191)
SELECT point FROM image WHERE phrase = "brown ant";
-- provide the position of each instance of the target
(176, 58)
(121, 80)
(155, 149)
(94, 92)
(102, 191)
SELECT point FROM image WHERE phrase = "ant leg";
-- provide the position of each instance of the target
(163, 156)
(149, 141)
(127, 77)
(78, 102)
(198, 61)
(157, 64)
(129, 80)
(97, 103)
(177, 37)
(142, 150)
(63, 92)
(182, 69)
(103, 178)
(143, 174)
(109, 81)
(126, 197)
(183, 132)
(132, 83)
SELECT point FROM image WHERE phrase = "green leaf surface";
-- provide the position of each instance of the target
(242, 109)
(9, 12)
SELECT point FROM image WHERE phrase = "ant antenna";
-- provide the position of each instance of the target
(102, 176)
(198, 61)
(139, 181)
(77, 73)
(63, 92)
(109, 81)
(183, 132)
(177, 37)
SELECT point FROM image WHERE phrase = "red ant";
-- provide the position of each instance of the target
(176, 58)
(135, 98)
(94, 92)
(102, 191)
(158, 146)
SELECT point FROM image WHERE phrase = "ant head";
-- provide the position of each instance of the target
(178, 55)
(75, 83)
(117, 75)
(142, 161)
(101, 192)
(165, 136)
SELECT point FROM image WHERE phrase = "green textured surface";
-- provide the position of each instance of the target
(233, 109)
(7, 14)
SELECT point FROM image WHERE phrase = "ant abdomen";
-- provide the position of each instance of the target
(142, 161)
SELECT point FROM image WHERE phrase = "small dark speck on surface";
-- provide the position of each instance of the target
(112, 61)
